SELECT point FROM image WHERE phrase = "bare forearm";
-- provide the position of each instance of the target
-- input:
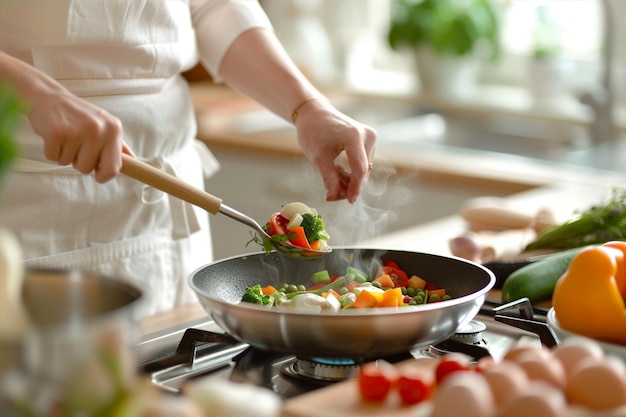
(257, 65)
(73, 130)
(28, 82)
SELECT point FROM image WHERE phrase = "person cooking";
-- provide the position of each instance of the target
(102, 78)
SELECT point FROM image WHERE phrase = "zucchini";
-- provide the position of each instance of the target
(536, 280)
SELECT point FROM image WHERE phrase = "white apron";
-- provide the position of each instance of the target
(124, 56)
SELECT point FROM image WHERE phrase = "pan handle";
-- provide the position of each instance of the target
(149, 175)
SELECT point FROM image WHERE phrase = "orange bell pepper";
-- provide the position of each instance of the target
(367, 299)
(587, 299)
(392, 298)
(620, 276)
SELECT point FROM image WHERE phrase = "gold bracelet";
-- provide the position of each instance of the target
(294, 114)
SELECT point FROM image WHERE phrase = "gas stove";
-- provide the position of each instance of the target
(200, 349)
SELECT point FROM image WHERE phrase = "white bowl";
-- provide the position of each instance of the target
(562, 334)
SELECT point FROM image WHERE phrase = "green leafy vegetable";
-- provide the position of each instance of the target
(10, 110)
(314, 227)
(255, 295)
(596, 225)
(447, 26)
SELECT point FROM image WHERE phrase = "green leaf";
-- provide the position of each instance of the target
(10, 112)
(454, 27)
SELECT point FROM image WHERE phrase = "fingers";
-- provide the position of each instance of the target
(360, 157)
(79, 134)
(323, 137)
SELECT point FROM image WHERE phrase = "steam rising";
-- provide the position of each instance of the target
(372, 215)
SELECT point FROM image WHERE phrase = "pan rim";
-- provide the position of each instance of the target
(379, 311)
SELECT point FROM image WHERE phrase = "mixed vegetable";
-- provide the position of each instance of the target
(390, 287)
(297, 224)
(594, 226)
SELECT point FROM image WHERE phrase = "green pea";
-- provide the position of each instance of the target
(419, 299)
(376, 284)
(343, 290)
(434, 297)
(291, 288)
(446, 297)
(301, 287)
(411, 292)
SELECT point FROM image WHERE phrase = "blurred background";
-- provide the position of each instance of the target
(469, 98)
(346, 41)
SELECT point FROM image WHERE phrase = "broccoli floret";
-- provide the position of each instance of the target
(255, 295)
(314, 228)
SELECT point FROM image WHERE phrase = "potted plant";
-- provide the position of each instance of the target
(449, 38)
(545, 78)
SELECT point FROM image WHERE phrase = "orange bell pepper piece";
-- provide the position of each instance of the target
(392, 298)
(367, 299)
(586, 298)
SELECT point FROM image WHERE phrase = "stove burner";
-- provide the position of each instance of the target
(470, 333)
(467, 340)
(322, 370)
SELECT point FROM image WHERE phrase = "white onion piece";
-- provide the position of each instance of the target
(295, 221)
(308, 302)
(332, 303)
(289, 210)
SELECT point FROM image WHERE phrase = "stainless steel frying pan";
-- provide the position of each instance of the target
(359, 334)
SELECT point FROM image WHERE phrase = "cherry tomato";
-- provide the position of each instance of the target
(397, 274)
(376, 379)
(451, 362)
(415, 385)
(278, 225)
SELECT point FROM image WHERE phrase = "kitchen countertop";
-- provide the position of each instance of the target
(533, 184)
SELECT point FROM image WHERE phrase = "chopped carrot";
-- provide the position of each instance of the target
(385, 281)
(329, 292)
(440, 291)
(316, 245)
(269, 290)
(299, 237)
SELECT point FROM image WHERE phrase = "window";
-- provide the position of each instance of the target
(357, 31)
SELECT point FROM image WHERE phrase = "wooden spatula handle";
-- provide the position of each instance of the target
(147, 174)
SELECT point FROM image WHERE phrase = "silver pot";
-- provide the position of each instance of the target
(78, 357)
